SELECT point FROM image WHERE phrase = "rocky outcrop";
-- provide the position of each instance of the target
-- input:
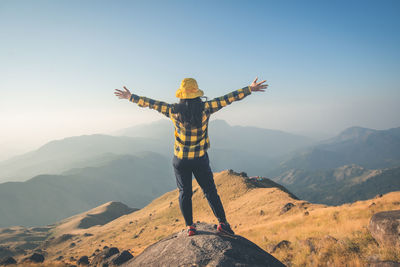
(111, 257)
(385, 228)
(207, 248)
(84, 260)
(35, 257)
(7, 261)
(286, 208)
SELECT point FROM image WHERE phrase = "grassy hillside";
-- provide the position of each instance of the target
(318, 234)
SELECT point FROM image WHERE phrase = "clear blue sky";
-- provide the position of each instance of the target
(330, 64)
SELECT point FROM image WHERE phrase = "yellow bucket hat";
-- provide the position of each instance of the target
(189, 89)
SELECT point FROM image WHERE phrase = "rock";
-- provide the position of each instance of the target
(72, 245)
(5, 252)
(281, 245)
(35, 257)
(122, 257)
(84, 260)
(110, 251)
(286, 208)
(87, 234)
(385, 228)
(207, 248)
(104, 257)
(59, 258)
(243, 174)
(7, 261)
(384, 264)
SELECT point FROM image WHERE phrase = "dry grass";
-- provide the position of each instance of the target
(255, 214)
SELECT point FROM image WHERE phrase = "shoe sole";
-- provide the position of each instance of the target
(222, 234)
(222, 231)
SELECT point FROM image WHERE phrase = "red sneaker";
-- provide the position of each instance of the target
(191, 230)
(225, 228)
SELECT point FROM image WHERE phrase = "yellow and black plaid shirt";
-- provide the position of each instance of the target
(191, 142)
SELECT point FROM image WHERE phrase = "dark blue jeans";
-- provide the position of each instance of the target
(200, 167)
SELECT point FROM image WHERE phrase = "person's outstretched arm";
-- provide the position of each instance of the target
(143, 102)
(217, 103)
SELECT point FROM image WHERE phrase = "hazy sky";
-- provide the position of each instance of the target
(330, 64)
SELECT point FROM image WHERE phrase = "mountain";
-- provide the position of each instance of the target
(372, 149)
(266, 142)
(251, 149)
(257, 148)
(74, 152)
(296, 232)
(44, 199)
(345, 184)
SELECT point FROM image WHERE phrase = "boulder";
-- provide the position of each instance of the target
(7, 261)
(284, 244)
(207, 248)
(122, 257)
(385, 228)
(35, 257)
(5, 252)
(105, 256)
(288, 206)
(84, 260)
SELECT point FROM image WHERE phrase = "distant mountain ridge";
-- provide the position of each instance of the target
(256, 146)
(72, 152)
(341, 185)
(45, 199)
(372, 149)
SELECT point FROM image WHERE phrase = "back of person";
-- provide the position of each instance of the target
(190, 117)
(191, 131)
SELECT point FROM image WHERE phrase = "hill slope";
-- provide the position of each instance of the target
(243, 200)
(345, 184)
(45, 199)
(298, 234)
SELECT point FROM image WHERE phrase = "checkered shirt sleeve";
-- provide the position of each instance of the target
(217, 103)
(144, 102)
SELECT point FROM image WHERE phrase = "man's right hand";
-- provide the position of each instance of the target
(258, 87)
